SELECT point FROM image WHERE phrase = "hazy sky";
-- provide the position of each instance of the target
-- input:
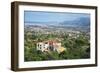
(37, 16)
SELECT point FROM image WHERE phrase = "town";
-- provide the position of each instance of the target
(46, 43)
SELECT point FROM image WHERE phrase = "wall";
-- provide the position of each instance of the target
(5, 40)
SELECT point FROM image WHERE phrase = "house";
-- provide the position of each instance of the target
(61, 49)
(42, 46)
(51, 45)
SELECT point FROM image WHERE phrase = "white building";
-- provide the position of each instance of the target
(42, 46)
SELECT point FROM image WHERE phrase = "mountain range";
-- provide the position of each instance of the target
(79, 22)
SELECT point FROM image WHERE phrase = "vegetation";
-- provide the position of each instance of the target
(77, 47)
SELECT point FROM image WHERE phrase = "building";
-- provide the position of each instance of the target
(51, 45)
(42, 46)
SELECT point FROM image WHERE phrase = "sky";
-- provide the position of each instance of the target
(40, 16)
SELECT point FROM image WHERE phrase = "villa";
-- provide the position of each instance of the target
(51, 45)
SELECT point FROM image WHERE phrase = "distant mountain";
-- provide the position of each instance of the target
(79, 22)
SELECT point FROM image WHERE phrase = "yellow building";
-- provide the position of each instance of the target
(61, 49)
